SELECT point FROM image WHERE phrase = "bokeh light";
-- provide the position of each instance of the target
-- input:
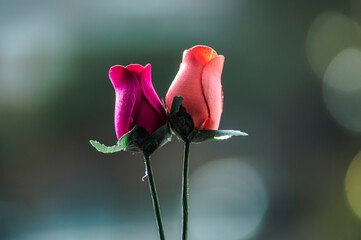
(330, 33)
(353, 184)
(35, 56)
(342, 88)
(55, 95)
(227, 200)
(344, 72)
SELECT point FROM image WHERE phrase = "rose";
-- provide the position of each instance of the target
(198, 81)
(136, 102)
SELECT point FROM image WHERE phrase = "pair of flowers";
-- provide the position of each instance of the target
(198, 82)
(194, 105)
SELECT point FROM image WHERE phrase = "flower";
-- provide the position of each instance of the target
(198, 81)
(136, 102)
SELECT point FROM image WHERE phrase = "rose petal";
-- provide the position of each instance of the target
(136, 69)
(187, 84)
(203, 54)
(127, 93)
(212, 89)
(146, 116)
(149, 92)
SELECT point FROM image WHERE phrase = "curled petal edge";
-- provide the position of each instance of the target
(127, 92)
(212, 91)
(149, 92)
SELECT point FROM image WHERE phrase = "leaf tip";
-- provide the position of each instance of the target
(177, 102)
(93, 142)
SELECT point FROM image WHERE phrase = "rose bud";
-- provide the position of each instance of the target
(136, 101)
(198, 81)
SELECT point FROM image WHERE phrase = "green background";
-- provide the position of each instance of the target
(286, 180)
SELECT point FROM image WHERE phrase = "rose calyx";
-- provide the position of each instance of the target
(183, 127)
(138, 140)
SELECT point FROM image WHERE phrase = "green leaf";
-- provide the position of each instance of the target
(137, 140)
(143, 141)
(126, 139)
(122, 145)
(166, 140)
(214, 135)
(182, 123)
(162, 135)
(105, 149)
(148, 143)
(177, 102)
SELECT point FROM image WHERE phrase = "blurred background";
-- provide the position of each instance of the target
(292, 80)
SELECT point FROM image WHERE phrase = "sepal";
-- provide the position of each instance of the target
(181, 122)
(106, 149)
(183, 126)
(215, 135)
(137, 140)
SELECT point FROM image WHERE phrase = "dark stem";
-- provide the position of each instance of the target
(154, 195)
(185, 190)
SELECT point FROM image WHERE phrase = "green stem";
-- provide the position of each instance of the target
(154, 195)
(185, 190)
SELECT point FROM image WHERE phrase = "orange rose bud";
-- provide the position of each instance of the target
(198, 81)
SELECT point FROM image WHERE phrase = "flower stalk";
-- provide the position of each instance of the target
(194, 104)
(154, 195)
(185, 190)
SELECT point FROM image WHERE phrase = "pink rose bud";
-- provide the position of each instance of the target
(198, 81)
(136, 102)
